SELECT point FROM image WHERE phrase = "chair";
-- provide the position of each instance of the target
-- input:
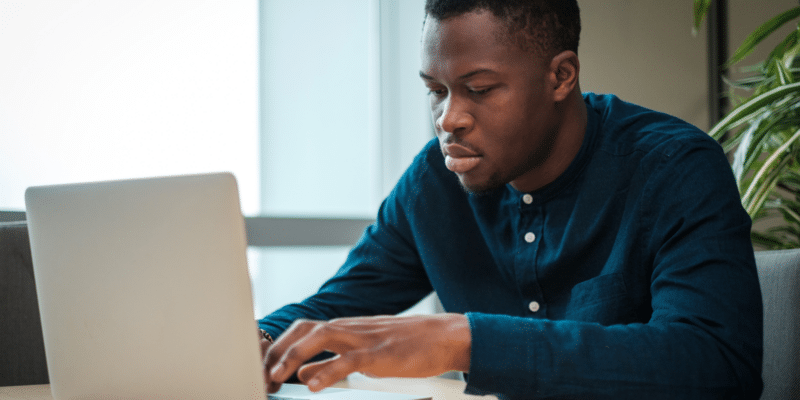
(779, 275)
(21, 343)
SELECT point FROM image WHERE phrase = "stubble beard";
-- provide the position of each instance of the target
(535, 159)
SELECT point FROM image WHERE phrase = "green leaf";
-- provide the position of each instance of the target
(789, 214)
(759, 34)
(748, 82)
(700, 10)
(744, 149)
(762, 131)
(757, 194)
(784, 76)
(769, 242)
(764, 187)
(788, 44)
(746, 109)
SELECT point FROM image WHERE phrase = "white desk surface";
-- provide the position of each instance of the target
(437, 388)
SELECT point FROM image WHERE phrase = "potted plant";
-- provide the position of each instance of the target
(762, 132)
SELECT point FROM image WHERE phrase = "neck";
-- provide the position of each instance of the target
(568, 141)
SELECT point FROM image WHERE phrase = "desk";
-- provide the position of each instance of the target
(437, 388)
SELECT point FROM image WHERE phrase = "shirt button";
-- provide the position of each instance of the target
(528, 199)
(533, 306)
(530, 237)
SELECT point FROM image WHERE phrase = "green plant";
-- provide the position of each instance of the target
(762, 131)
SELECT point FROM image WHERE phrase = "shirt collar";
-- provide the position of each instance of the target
(575, 167)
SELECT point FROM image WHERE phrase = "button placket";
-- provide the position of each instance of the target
(528, 237)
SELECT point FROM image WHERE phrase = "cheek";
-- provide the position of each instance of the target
(502, 125)
(508, 137)
(507, 111)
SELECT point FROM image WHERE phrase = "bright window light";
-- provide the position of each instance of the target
(113, 89)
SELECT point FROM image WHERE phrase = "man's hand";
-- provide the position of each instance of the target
(414, 346)
(265, 343)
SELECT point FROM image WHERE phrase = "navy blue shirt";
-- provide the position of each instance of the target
(630, 275)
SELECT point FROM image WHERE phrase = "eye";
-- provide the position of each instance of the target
(438, 92)
(479, 91)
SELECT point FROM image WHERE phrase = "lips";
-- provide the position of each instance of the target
(460, 159)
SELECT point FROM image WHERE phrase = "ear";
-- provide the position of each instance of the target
(564, 71)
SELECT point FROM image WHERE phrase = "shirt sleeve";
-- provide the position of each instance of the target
(704, 336)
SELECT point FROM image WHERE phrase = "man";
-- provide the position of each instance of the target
(582, 246)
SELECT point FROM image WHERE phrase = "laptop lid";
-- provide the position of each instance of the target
(143, 289)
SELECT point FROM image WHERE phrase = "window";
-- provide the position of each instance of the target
(96, 90)
(314, 105)
(343, 113)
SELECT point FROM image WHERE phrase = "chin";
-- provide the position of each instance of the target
(480, 187)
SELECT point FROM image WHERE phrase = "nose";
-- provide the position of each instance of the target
(455, 117)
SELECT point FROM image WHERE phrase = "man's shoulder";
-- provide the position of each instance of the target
(625, 128)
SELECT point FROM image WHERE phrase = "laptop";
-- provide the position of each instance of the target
(144, 292)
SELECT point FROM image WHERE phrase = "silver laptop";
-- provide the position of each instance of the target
(144, 291)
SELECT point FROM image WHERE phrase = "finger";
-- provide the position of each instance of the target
(339, 336)
(304, 347)
(372, 321)
(273, 387)
(263, 342)
(295, 331)
(320, 375)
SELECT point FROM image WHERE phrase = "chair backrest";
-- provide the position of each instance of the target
(779, 274)
(21, 345)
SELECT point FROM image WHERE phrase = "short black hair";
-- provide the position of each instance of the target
(546, 26)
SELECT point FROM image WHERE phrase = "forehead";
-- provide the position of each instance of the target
(455, 33)
(474, 40)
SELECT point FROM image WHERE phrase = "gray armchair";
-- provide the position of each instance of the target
(779, 275)
(22, 359)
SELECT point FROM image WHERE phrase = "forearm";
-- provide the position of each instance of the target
(459, 342)
(523, 358)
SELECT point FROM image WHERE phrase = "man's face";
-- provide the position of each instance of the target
(491, 102)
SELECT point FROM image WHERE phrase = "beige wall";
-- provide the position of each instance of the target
(644, 52)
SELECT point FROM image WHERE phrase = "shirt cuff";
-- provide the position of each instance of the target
(499, 361)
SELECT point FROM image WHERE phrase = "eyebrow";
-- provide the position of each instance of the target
(460, 78)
